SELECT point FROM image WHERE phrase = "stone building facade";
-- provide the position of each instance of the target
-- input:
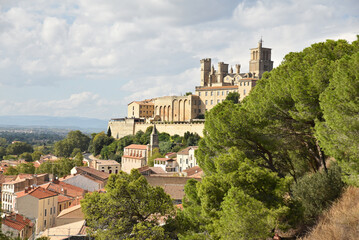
(140, 109)
(134, 156)
(215, 85)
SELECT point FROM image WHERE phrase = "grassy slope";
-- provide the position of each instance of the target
(341, 221)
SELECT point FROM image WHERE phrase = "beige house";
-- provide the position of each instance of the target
(186, 158)
(40, 205)
(140, 109)
(108, 166)
(167, 164)
(134, 156)
(20, 183)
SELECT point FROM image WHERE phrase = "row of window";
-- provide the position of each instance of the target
(146, 106)
(145, 112)
(218, 92)
(7, 197)
(52, 211)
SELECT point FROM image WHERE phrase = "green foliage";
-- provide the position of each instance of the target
(164, 137)
(3, 142)
(130, 206)
(60, 167)
(315, 192)
(11, 171)
(2, 152)
(190, 139)
(298, 116)
(74, 140)
(18, 148)
(26, 156)
(98, 142)
(188, 93)
(339, 133)
(233, 97)
(144, 230)
(165, 147)
(26, 168)
(243, 217)
(36, 155)
(155, 154)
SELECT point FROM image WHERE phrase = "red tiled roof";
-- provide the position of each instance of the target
(173, 154)
(164, 159)
(127, 156)
(64, 188)
(39, 193)
(137, 146)
(102, 175)
(62, 198)
(186, 150)
(195, 171)
(16, 221)
(176, 191)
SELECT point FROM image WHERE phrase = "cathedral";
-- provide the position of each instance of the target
(214, 88)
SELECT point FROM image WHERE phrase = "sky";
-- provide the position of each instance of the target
(90, 58)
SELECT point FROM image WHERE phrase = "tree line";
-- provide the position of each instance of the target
(274, 161)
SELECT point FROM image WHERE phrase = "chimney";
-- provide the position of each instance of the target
(65, 192)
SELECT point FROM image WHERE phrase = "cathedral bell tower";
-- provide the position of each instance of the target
(260, 60)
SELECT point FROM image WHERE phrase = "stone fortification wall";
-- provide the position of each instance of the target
(173, 128)
(125, 127)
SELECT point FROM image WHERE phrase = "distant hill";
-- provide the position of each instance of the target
(80, 123)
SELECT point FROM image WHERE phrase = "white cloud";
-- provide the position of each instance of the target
(142, 49)
(84, 104)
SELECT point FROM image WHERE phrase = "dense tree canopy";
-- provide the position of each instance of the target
(297, 118)
(129, 209)
(18, 148)
(74, 139)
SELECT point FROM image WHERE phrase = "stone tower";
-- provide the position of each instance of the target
(205, 71)
(154, 143)
(260, 60)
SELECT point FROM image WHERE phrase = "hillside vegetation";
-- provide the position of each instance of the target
(341, 221)
(265, 159)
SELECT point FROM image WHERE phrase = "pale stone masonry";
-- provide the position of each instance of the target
(215, 85)
(134, 156)
(40, 206)
(140, 109)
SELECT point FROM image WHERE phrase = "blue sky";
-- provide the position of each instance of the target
(90, 58)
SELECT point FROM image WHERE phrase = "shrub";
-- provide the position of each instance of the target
(316, 192)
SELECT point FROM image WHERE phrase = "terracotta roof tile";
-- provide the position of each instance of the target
(62, 198)
(17, 221)
(137, 146)
(127, 156)
(164, 159)
(64, 189)
(102, 175)
(39, 193)
(176, 191)
(186, 150)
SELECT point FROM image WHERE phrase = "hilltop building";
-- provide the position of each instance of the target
(177, 113)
